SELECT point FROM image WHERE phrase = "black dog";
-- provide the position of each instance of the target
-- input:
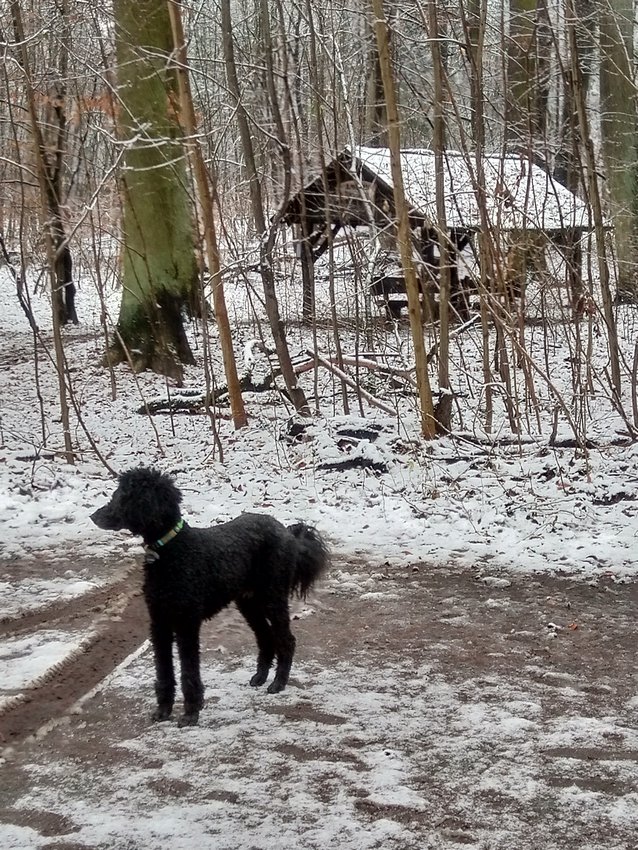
(192, 573)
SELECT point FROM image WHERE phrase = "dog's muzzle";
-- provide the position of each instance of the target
(102, 518)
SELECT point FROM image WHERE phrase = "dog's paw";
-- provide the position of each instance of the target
(275, 687)
(259, 678)
(161, 714)
(188, 720)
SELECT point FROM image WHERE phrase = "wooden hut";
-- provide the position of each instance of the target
(518, 200)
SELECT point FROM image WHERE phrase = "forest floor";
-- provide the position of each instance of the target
(429, 707)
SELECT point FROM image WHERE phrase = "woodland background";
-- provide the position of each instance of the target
(157, 143)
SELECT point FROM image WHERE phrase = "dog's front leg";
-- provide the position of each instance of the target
(162, 640)
(192, 687)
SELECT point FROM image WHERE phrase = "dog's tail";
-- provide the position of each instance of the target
(312, 557)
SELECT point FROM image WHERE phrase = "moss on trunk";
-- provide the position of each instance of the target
(159, 264)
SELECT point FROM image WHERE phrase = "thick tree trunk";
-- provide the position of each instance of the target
(618, 125)
(159, 266)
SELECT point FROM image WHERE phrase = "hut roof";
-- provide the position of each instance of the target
(519, 195)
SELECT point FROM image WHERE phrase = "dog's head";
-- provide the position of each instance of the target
(145, 503)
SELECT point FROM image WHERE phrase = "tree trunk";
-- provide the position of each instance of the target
(159, 265)
(475, 25)
(618, 126)
(266, 235)
(443, 410)
(375, 110)
(187, 116)
(568, 163)
(428, 423)
(528, 74)
(594, 198)
(54, 232)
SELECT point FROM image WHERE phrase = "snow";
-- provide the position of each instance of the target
(23, 660)
(278, 784)
(518, 194)
(522, 506)
(30, 594)
(508, 510)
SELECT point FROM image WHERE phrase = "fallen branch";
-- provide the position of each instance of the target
(326, 363)
(192, 402)
(361, 362)
(453, 334)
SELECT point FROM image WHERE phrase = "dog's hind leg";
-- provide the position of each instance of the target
(192, 687)
(256, 619)
(162, 640)
(284, 648)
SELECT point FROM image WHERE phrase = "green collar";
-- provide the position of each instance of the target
(170, 534)
(152, 554)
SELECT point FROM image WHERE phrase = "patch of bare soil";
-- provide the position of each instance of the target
(64, 565)
(468, 627)
(116, 621)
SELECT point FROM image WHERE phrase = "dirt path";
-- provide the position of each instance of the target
(77, 609)
(582, 630)
(114, 619)
(567, 645)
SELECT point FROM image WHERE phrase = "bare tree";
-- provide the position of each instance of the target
(375, 109)
(594, 194)
(265, 233)
(428, 423)
(266, 100)
(443, 410)
(48, 179)
(187, 113)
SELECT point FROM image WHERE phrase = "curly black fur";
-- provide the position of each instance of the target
(253, 561)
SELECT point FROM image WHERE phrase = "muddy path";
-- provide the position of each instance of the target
(114, 622)
(582, 630)
(565, 649)
(76, 610)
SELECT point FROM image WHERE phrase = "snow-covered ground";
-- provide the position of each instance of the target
(415, 747)
(256, 779)
(521, 507)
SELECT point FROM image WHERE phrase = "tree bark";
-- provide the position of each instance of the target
(618, 126)
(187, 114)
(521, 73)
(443, 410)
(594, 197)
(54, 232)
(375, 110)
(159, 265)
(475, 25)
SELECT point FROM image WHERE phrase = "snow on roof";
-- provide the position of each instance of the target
(519, 195)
